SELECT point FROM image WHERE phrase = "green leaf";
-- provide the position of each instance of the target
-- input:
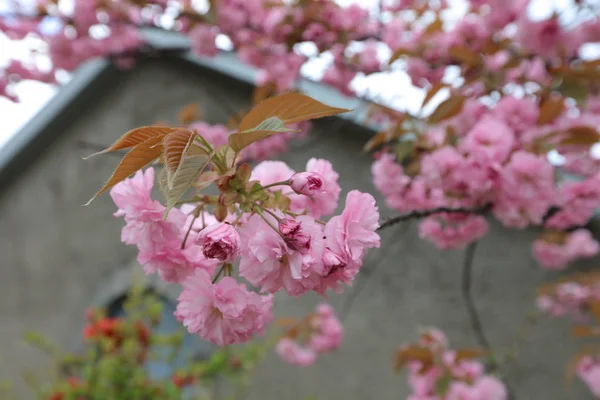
(178, 183)
(274, 124)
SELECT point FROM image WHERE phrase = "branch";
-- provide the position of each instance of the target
(468, 298)
(426, 213)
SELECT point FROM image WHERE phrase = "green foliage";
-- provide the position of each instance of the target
(112, 365)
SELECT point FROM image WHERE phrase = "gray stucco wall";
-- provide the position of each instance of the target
(56, 255)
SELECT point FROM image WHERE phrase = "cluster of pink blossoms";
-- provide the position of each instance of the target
(579, 299)
(317, 334)
(436, 372)
(491, 166)
(569, 298)
(279, 248)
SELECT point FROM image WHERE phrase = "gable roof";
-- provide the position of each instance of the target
(97, 77)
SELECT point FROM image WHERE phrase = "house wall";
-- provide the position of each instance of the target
(56, 256)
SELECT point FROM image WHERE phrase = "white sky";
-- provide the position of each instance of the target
(34, 95)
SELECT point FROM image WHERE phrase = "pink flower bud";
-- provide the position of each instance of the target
(294, 236)
(220, 241)
(307, 183)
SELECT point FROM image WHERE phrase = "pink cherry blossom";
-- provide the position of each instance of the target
(216, 135)
(324, 201)
(294, 236)
(220, 241)
(490, 139)
(222, 313)
(519, 114)
(329, 330)
(453, 230)
(390, 180)
(588, 370)
(577, 201)
(268, 172)
(526, 190)
(269, 263)
(174, 264)
(546, 38)
(347, 237)
(325, 334)
(354, 230)
(307, 183)
(578, 244)
(145, 226)
(292, 353)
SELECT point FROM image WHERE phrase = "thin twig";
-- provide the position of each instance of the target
(426, 213)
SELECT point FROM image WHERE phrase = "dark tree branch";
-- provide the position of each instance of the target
(426, 213)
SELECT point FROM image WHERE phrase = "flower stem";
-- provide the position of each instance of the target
(282, 183)
(259, 212)
(219, 272)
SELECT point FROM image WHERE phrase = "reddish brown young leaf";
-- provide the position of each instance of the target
(550, 109)
(189, 113)
(289, 108)
(448, 108)
(433, 90)
(469, 354)
(399, 53)
(584, 331)
(286, 322)
(135, 137)
(436, 26)
(581, 135)
(553, 236)
(413, 353)
(137, 158)
(464, 55)
(176, 144)
(595, 310)
(240, 140)
(263, 92)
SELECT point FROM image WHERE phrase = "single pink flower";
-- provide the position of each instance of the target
(578, 244)
(347, 237)
(588, 370)
(223, 313)
(220, 241)
(390, 180)
(145, 226)
(323, 201)
(329, 331)
(268, 172)
(453, 230)
(174, 264)
(269, 263)
(292, 353)
(526, 190)
(306, 183)
(294, 236)
(490, 139)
